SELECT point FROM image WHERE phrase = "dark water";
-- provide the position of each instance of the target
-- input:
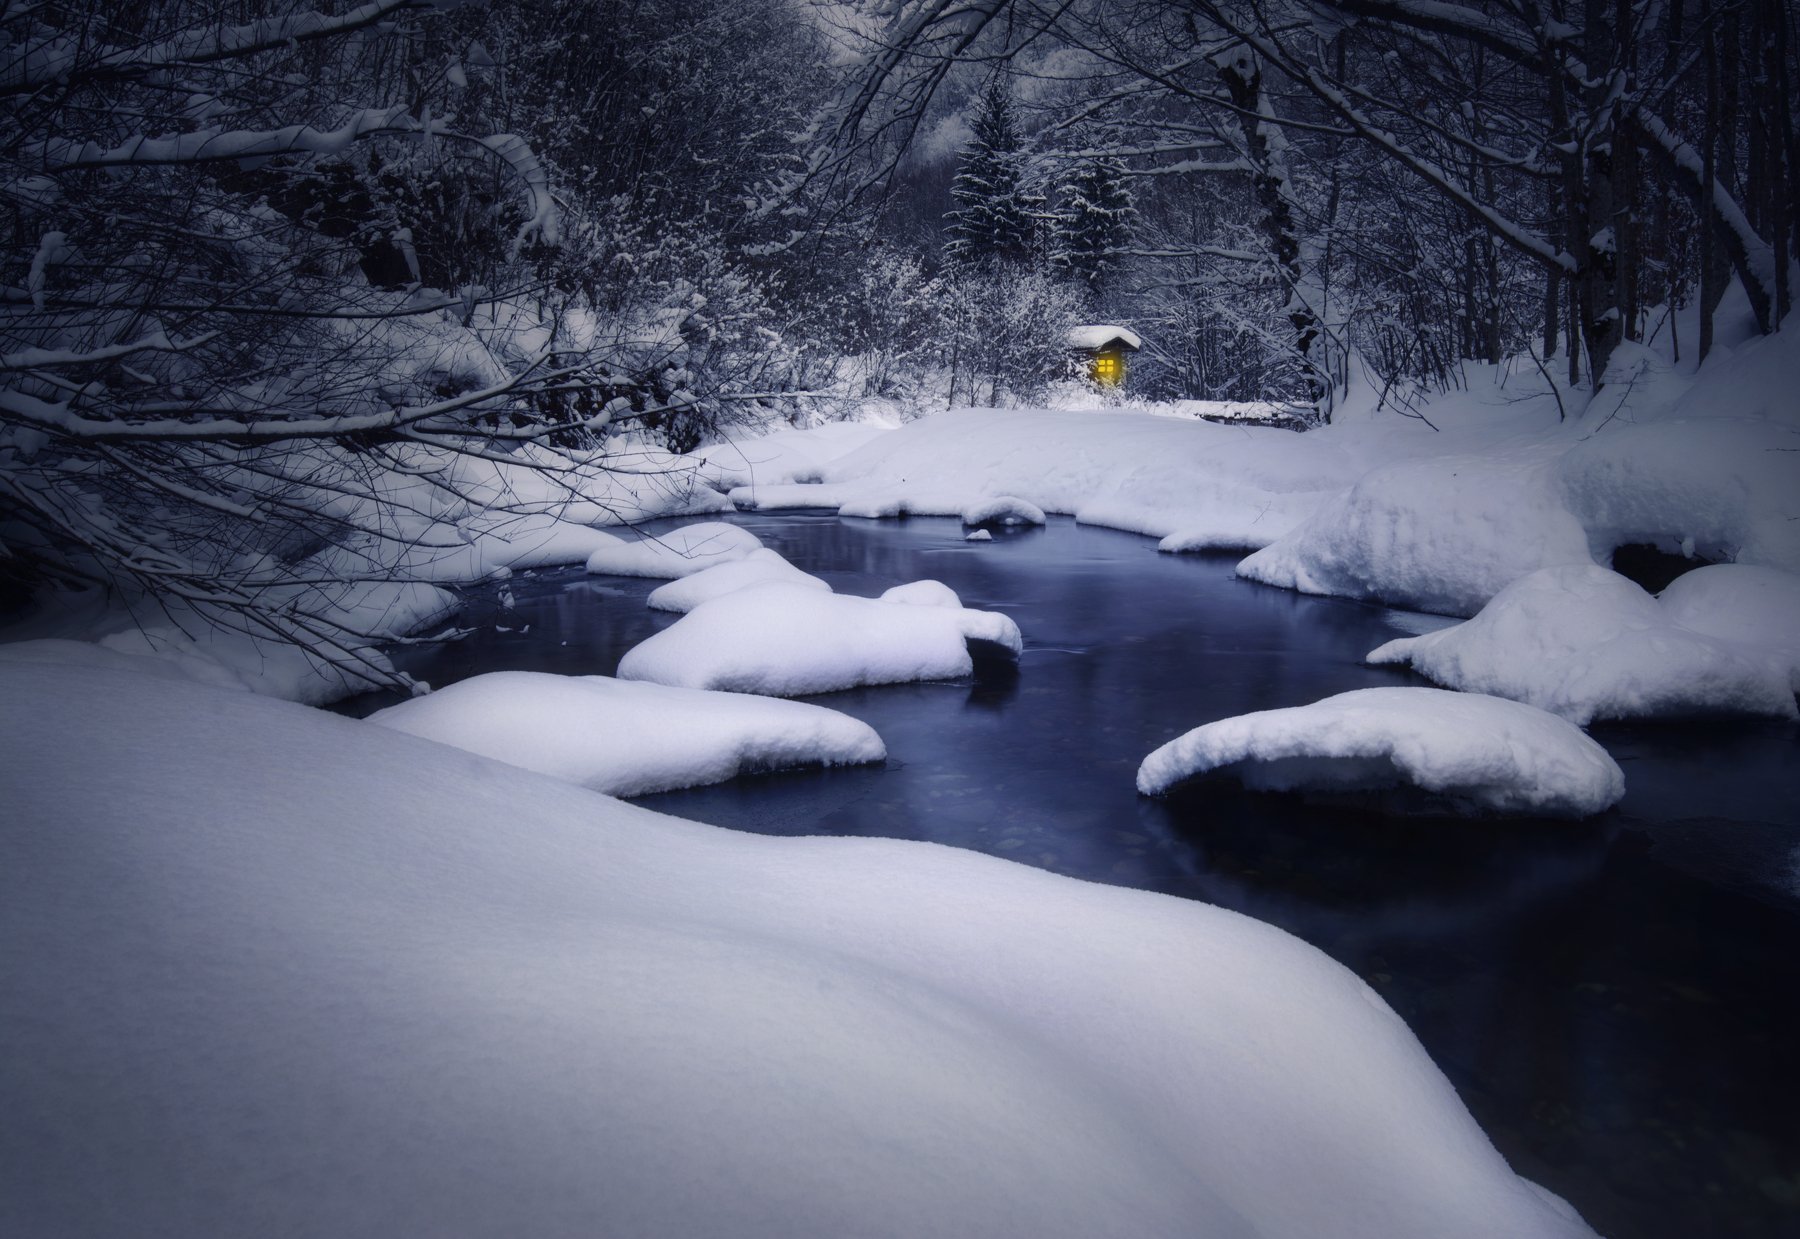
(1617, 1001)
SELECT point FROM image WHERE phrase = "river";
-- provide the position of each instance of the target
(1617, 1001)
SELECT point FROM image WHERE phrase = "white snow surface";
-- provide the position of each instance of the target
(923, 594)
(1478, 753)
(377, 986)
(1709, 466)
(1209, 484)
(1758, 608)
(629, 739)
(1443, 533)
(786, 455)
(759, 567)
(785, 640)
(1506, 477)
(1586, 643)
(679, 552)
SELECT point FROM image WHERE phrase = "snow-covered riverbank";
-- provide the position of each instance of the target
(269, 969)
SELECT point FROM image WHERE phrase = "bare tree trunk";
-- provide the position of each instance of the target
(1602, 325)
(1242, 75)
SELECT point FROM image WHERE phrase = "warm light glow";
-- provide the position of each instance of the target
(1107, 370)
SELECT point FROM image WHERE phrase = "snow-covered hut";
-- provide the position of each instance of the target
(1103, 348)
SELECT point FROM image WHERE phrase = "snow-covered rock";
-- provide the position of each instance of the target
(1473, 753)
(786, 640)
(1758, 608)
(1003, 510)
(679, 552)
(923, 594)
(1586, 643)
(759, 567)
(383, 987)
(978, 535)
(629, 739)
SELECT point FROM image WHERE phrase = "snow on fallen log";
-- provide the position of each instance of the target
(629, 739)
(786, 640)
(1474, 754)
(1586, 643)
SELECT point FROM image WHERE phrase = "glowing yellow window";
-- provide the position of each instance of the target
(1106, 370)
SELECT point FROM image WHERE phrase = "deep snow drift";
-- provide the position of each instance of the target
(628, 739)
(1588, 644)
(258, 984)
(788, 640)
(1474, 753)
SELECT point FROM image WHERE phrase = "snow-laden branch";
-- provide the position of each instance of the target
(222, 145)
(61, 419)
(42, 358)
(60, 59)
(1510, 231)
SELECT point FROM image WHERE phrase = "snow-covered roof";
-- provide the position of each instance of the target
(1099, 335)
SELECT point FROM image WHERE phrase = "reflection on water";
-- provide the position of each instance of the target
(1617, 1001)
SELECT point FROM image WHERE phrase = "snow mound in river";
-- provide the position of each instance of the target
(383, 987)
(629, 739)
(1586, 643)
(1476, 753)
(759, 567)
(677, 553)
(786, 641)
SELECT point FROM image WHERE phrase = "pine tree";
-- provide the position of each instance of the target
(994, 221)
(1096, 216)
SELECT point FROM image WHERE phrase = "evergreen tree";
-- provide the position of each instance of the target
(994, 221)
(1096, 216)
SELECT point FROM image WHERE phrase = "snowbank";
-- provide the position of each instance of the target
(1479, 754)
(629, 739)
(1137, 471)
(229, 650)
(677, 553)
(1445, 533)
(1718, 487)
(383, 987)
(1003, 510)
(1708, 467)
(786, 456)
(787, 641)
(1586, 643)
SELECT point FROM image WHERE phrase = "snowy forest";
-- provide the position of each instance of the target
(1332, 462)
